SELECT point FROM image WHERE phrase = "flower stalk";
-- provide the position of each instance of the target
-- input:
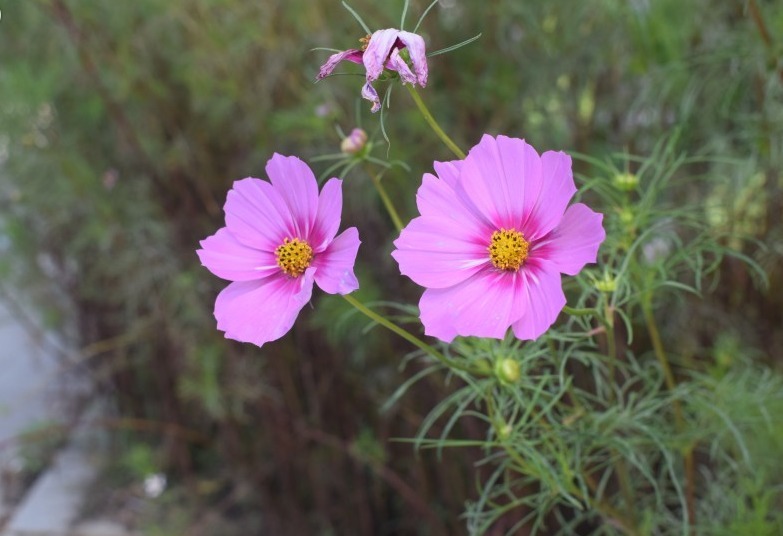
(679, 419)
(459, 153)
(408, 336)
(387, 202)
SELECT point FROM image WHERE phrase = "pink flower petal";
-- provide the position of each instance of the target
(327, 220)
(228, 258)
(334, 267)
(448, 171)
(436, 198)
(418, 54)
(256, 215)
(434, 255)
(377, 52)
(483, 306)
(263, 310)
(369, 93)
(396, 63)
(295, 182)
(498, 175)
(543, 298)
(574, 242)
(557, 188)
(353, 55)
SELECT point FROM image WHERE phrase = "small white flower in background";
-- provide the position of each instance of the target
(154, 485)
(656, 249)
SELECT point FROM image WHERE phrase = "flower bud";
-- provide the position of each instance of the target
(355, 141)
(627, 182)
(503, 431)
(606, 284)
(626, 216)
(507, 370)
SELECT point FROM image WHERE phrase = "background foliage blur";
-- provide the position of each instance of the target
(123, 124)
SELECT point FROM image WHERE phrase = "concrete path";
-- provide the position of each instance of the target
(33, 387)
(28, 384)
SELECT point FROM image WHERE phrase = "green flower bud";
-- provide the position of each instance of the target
(507, 370)
(503, 431)
(627, 182)
(606, 284)
(626, 216)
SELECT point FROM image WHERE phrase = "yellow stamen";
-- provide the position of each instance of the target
(508, 249)
(294, 256)
(365, 41)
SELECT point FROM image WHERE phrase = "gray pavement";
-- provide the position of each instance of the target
(28, 384)
(33, 387)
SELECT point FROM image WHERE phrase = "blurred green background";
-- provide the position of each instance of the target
(123, 125)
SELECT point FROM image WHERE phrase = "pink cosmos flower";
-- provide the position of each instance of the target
(279, 238)
(382, 50)
(493, 237)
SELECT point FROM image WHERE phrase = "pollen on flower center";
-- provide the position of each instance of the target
(294, 256)
(508, 249)
(365, 41)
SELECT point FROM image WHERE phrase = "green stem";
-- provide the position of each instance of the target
(580, 312)
(387, 202)
(621, 466)
(434, 124)
(679, 419)
(602, 507)
(408, 336)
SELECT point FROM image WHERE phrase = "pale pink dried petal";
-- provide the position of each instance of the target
(369, 93)
(352, 55)
(377, 52)
(418, 54)
(396, 63)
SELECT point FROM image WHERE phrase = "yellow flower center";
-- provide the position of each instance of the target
(294, 256)
(365, 41)
(508, 249)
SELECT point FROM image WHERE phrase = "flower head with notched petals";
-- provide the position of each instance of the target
(279, 238)
(384, 49)
(494, 235)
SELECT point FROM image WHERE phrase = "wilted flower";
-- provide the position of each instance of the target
(354, 142)
(384, 49)
(279, 238)
(494, 235)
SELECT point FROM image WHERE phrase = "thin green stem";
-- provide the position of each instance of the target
(589, 311)
(679, 419)
(408, 336)
(605, 509)
(387, 202)
(434, 124)
(623, 476)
